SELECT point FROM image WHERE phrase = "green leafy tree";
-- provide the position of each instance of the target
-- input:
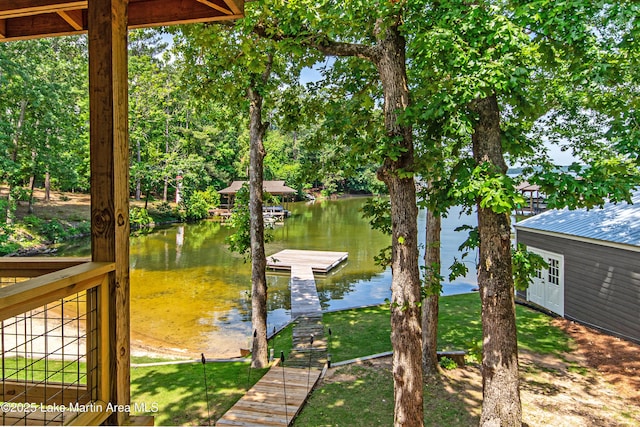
(511, 74)
(371, 32)
(41, 117)
(146, 115)
(247, 70)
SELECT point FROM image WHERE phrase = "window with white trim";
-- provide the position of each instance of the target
(554, 271)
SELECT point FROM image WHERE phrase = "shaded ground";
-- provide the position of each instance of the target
(617, 360)
(66, 206)
(595, 385)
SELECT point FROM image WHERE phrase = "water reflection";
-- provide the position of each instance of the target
(190, 295)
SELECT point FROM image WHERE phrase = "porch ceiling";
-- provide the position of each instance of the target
(26, 19)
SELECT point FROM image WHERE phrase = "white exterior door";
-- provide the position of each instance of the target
(547, 288)
(535, 291)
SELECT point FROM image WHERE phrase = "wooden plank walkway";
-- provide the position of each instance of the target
(275, 400)
(304, 294)
(309, 345)
(305, 354)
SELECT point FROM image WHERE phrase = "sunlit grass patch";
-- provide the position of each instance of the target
(49, 370)
(357, 333)
(178, 391)
(357, 395)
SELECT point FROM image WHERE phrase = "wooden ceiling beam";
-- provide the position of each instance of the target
(213, 5)
(67, 18)
(44, 25)
(147, 13)
(20, 8)
(73, 18)
(236, 6)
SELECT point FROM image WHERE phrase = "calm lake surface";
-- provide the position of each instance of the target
(190, 295)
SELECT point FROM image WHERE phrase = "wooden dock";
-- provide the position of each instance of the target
(309, 345)
(277, 398)
(274, 400)
(319, 261)
(304, 295)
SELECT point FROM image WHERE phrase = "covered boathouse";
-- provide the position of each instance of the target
(594, 265)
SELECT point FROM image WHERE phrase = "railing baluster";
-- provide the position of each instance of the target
(83, 285)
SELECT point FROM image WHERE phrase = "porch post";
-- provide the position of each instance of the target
(109, 146)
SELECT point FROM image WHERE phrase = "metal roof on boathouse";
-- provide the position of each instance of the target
(616, 223)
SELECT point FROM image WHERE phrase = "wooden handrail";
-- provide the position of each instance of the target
(22, 297)
(36, 266)
(47, 394)
(38, 291)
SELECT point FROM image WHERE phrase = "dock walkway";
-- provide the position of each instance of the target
(309, 346)
(277, 398)
(274, 400)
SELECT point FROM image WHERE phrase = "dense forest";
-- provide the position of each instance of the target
(173, 132)
(448, 92)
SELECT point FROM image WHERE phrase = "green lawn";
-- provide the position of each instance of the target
(361, 396)
(37, 370)
(366, 331)
(178, 390)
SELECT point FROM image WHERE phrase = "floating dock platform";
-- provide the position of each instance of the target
(319, 261)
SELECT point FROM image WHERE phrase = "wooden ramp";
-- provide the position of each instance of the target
(304, 294)
(274, 400)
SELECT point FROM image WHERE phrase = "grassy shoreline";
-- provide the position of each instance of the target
(66, 217)
(355, 333)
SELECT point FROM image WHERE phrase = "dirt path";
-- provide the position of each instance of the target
(557, 393)
(617, 360)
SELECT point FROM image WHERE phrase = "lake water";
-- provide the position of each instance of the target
(190, 295)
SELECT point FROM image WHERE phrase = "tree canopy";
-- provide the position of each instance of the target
(451, 92)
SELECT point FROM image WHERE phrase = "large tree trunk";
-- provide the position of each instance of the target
(406, 334)
(257, 129)
(501, 395)
(430, 306)
(259, 351)
(388, 55)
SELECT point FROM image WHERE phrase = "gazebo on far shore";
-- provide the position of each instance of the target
(276, 188)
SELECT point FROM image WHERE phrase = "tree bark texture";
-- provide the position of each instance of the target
(388, 55)
(406, 333)
(501, 396)
(259, 351)
(47, 186)
(430, 304)
(14, 157)
(32, 181)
